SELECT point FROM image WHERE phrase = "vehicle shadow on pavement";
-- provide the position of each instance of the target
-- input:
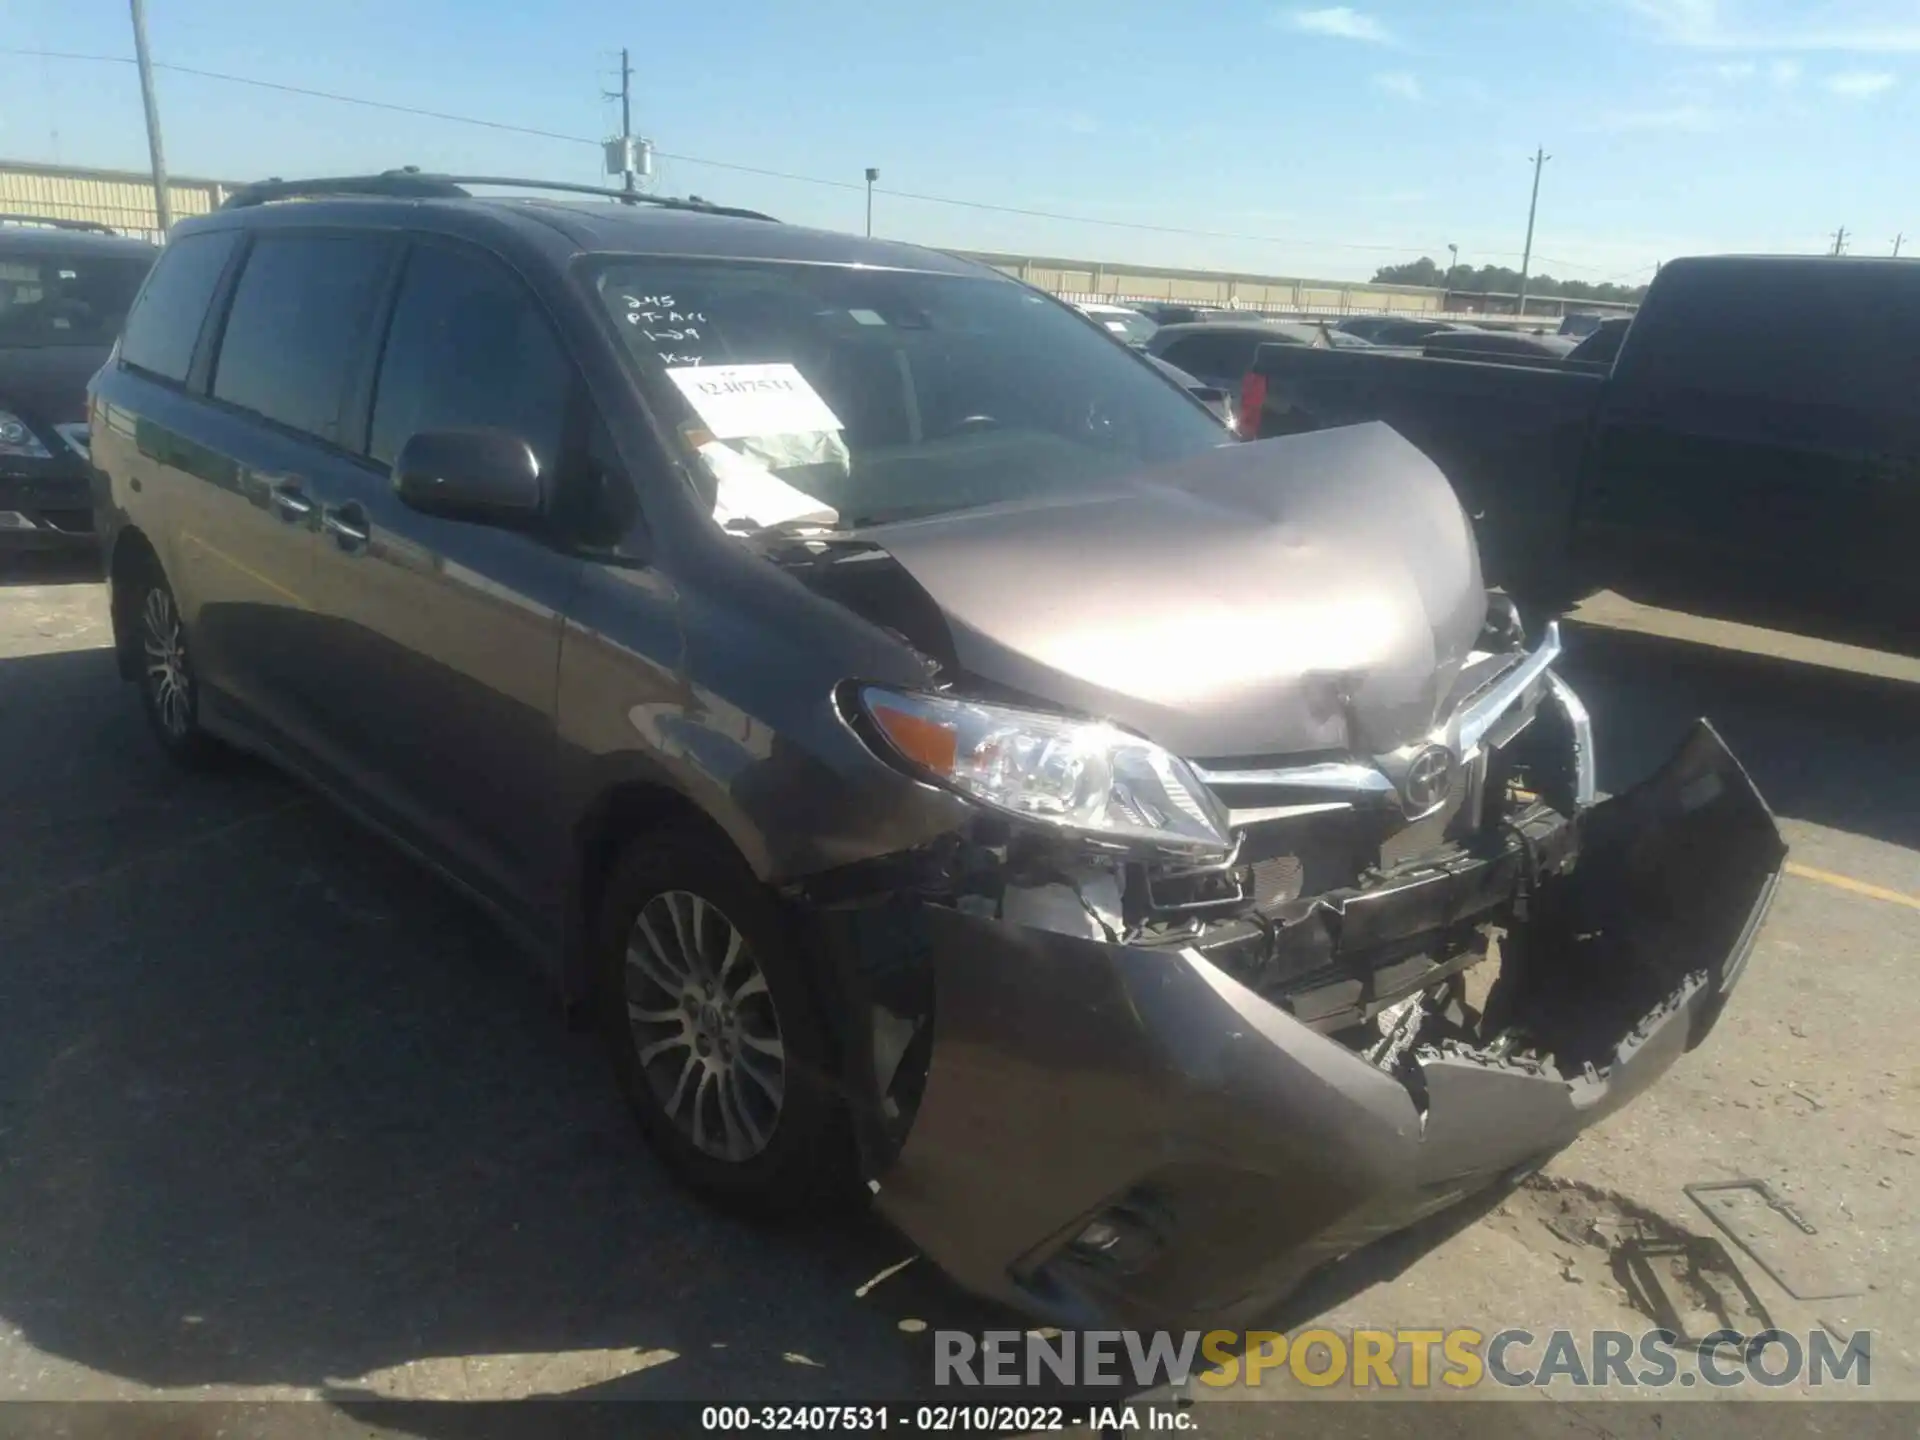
(279, 1109)
(1833, 747)
(50, 567)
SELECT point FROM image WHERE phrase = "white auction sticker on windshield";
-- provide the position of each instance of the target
(736, 401)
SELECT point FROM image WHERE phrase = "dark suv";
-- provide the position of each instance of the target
(64, 290)
(944, 762)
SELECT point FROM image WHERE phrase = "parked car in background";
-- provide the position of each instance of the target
(954, 776)
(1220, 352)
(1124, 323)
(1212, 396)
(1474, 344)
(1343, 339)
(1602, 347)
(1392, 330)
(64, 291)
(1169, 312)
(1756, 441)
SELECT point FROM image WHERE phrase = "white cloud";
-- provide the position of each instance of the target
(1342, 23)
(1690, 117)
(1850, 25)
(1860, 84)
(1735, 71)
(1403, 83)
(1784, 72)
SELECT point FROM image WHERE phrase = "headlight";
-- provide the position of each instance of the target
(17, 440)
(1080, 776)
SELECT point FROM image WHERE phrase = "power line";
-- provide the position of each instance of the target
(303, 90)
(537, 133)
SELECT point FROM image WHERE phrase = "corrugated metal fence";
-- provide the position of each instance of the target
(118, 198)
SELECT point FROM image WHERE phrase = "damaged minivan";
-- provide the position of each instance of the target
(947, 765)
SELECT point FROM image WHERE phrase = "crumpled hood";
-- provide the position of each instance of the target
(1317, 592)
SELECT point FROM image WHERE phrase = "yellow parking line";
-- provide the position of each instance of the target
(1857, 887)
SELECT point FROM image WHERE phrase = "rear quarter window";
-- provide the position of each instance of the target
(164, 324)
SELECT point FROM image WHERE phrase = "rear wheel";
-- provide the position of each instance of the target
(169, 690)
(714, 1031)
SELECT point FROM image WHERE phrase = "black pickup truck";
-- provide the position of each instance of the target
(1758, 437)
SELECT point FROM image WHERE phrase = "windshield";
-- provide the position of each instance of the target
(856, 395)
(67, 299)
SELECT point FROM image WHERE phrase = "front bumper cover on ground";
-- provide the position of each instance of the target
(1230, 1148)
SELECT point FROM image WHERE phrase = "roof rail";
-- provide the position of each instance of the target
(54, 223)
(410, 183)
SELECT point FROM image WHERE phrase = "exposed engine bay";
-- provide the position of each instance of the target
(1381, 918)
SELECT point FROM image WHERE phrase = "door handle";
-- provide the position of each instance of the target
(348, 526)
(289, 504)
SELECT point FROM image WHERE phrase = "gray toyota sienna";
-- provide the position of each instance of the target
(947, 765)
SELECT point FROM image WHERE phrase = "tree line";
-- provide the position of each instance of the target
(1499, 280)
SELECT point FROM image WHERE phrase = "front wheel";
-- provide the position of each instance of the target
(714, 1032)
(169, 690)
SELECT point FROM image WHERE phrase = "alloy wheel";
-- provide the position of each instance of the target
(705, 1026)
(168, 680)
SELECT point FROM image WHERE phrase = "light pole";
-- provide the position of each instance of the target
(1540, 158)
(1453, 268)
(872, 175)
(162, 194)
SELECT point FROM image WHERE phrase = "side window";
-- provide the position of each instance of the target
(468, 347)
(300, 315)
(165, 320)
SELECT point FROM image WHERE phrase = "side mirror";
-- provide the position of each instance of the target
(491, 477)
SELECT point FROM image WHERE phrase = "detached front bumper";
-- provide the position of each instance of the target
(1117, 1134)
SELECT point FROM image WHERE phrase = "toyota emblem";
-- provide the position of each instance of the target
(1429, 777)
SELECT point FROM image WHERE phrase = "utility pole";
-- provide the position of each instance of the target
(1540, 158)
(1840, 241)
(872, 175)
(162, 195)
(630, 182)
(630, 159)
(1896, 243)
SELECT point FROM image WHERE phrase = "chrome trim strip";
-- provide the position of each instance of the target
(1238, 819)
(1462, 734)
(1327, 775)
(1469, 727)
(1584, 787)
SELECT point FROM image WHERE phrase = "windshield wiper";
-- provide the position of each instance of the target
(798, 528)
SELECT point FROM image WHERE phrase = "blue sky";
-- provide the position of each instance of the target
(1310, 139)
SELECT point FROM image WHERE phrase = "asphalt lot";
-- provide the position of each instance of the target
(280, 1116)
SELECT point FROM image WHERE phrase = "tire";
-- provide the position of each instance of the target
(169, 689)
(733, 1085)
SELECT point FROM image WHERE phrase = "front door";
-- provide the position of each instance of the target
(445, 635)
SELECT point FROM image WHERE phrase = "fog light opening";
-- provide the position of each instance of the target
(1119, 1238)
